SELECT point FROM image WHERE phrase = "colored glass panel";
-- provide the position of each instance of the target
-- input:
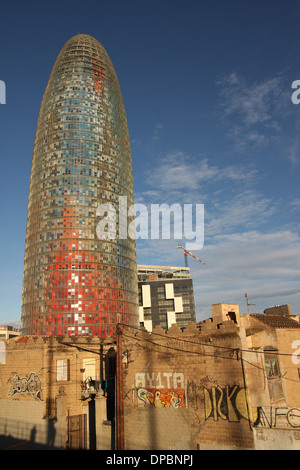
(73, 282)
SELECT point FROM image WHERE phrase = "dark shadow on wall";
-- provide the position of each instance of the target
(51, 431)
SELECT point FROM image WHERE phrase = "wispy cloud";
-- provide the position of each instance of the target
(251, 110)
(247, 209)
(265, 265)
(228, 192)
(295, 204)
(157, 131)
(179, 171)
(293, 152)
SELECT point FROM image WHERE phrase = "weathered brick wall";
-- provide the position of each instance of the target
(30, 391)
(30, 370)
(184, 390)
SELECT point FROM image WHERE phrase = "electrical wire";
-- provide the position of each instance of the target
(232, 350)
(268, 351)
(177, 349)
(198, 343)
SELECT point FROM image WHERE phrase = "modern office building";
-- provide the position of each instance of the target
(166, 296)
(7, 331)
(80, 276)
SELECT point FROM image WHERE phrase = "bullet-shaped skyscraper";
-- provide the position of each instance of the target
(76, 282)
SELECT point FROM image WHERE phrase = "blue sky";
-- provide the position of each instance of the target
(207, 91)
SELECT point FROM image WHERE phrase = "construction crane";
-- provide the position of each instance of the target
(186, 253)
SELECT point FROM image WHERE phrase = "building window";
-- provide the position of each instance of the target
(62, 370)
(89, 366)
(232, 316)
(273, 377)
(272, 366)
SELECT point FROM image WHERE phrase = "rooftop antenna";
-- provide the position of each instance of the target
(248, 303)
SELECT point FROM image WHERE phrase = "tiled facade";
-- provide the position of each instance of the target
(77, 280)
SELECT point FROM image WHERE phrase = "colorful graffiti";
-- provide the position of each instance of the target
(163, 398)
(31, 386)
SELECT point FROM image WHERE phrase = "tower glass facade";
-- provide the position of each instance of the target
(75, 282)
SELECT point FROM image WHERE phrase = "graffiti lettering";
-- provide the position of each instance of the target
(31, 385)
(161, 398)
(229, 403)
(280, 416)
(159, 380)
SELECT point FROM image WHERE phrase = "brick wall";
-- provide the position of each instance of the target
(184, 390)
(32, 392)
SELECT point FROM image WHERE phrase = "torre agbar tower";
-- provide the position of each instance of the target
(75, 282)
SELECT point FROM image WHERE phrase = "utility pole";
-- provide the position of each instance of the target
(239, 356)
(119, 389)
